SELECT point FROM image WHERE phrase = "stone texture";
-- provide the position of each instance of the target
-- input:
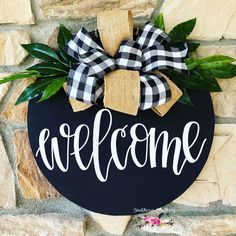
(230, 30)
(225, 101)
(112, 224)
(11, 53)
(3, 87)
(215, 19)
(16, 11)
(220, 225)
(32, 183)
(224, 162)
(225, 130)
(205, 189)
(215, 181)
(52, 41)
(204, 51)
(17, 113)
(225, 165)
(7, 184)
(201, 193)
(88, 9)
(40, 225)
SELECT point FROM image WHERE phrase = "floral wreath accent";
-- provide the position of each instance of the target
(155, 220)
(152, 70)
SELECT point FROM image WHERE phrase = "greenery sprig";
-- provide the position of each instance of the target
(51, 73)
(203, 71)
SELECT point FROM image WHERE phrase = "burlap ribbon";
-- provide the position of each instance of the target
(122, 87)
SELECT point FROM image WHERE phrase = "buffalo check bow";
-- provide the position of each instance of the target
(149, 52)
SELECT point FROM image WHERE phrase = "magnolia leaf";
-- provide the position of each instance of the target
(41, 51)
(192, 46)
(50, 68)
(66, 58)
(63, 38)
(225, 71)
(207, 82)
(21, 75)
(185, 98)
(195, 81)
(180, 32)
(191, 63)
(211, 62)
(33, 90)
(53, 88)
(159, 22)
(215, 61)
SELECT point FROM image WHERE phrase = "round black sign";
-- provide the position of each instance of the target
(118, 164)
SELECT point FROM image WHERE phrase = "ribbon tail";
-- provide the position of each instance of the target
(155, 91)
(75, 104)
(82, 86)
(176, 93)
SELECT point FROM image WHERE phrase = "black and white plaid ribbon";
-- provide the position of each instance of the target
(147, 53)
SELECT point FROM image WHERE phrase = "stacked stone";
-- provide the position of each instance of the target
(30, 205)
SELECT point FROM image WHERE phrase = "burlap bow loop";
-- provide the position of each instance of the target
(147, 53)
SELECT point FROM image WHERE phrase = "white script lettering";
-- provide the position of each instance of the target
(151, 140)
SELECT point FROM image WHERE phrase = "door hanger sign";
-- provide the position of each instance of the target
(113, 163)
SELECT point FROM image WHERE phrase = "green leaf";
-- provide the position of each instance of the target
(195, 81)
(159, 22)
(53, 88)
(211, 62)
(224, 71)
(191, 63)
(20, 75)
(33, 90)
(64, 36)
(215, 61)
(208, 82)
(50, 68)
(180, 32)
(66, 58)
(185, 99)
(41, 51)
(192, 46)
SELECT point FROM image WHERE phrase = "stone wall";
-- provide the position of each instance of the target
(30, 205)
